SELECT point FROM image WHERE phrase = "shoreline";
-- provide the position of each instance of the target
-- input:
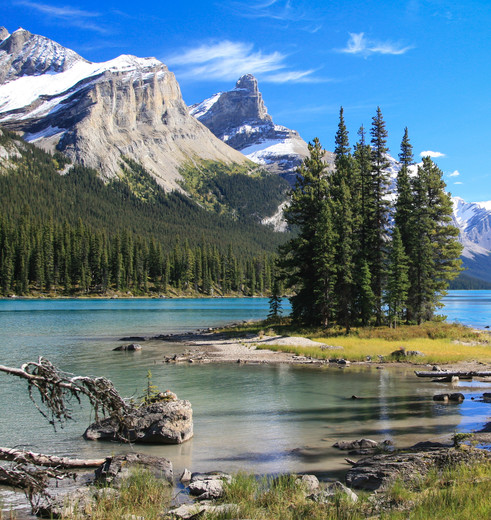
(218, 347)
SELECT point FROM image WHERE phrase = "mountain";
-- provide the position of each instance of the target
(240, 118)
(99, 113)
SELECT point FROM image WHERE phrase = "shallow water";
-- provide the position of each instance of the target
(258, 418)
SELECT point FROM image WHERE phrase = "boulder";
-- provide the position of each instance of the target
(380, 471)
(456, 397)
(164, 422)
(309, 482)
(441, 397)
(117, 468)
(206, 486)
(336, 488)
(132, 347)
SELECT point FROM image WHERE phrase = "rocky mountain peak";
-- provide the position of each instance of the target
(25, 54)
(247, 82)
(3, 33)
(240, 118)
(98, 113)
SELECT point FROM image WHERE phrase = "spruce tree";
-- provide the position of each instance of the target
(308, 258)
(397, 280)
(435, 249)
(381, 206)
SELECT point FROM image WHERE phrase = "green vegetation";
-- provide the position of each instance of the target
(141, 495)
(452, 494)
(73, 234)
(439, 342)
(346, 266)
(234, 190)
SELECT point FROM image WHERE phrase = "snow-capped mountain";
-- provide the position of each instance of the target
(240, 118)
(96, 113)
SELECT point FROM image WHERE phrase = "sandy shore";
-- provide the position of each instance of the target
(220, 348)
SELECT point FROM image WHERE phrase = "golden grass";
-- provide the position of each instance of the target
(439, 342)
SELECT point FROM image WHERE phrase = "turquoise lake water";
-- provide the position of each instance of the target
(261, 418)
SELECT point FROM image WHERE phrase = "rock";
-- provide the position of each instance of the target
(128, 348)
(133, 338)
(402, 352)
(206, 486)
(344, 362)
(354, 445)
(187, 511)
(457, 397)
(309, 482)
(336, 488)
(117, 468)
(441, 397)
(164, 422)
(487, 396)
(186, 476)
(380, 471)
(436, 368)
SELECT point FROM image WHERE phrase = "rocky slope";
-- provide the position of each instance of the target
(240, 119)
(95, 113)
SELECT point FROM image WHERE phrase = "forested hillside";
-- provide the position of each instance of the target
(73, 233)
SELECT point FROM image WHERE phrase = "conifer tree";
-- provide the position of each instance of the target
(397, 280)
(275, 304)
(405, 199)
(379, 187)
(308, 258)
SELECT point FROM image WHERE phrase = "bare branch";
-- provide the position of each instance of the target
(40, 459)
(57, 388)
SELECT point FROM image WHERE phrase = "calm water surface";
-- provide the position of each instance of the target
(257, 418)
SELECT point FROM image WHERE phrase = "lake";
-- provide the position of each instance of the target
(258, 418)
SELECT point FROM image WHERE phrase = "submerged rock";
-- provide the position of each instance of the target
(164, 422)
(128, 348)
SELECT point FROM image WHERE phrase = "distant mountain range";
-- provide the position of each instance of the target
(102, 114)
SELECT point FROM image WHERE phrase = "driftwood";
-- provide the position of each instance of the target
(461, 374)
(56, 388)
(40, 459)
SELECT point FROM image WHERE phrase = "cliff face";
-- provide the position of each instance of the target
(96, 113)
(240, 119)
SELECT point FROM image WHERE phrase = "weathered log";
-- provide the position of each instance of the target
(461, 374)
(40, 459)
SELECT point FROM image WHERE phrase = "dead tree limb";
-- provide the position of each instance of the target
(56, 388)
(40, 459)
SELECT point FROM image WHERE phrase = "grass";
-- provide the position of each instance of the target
(141, 495)
(452, 494)
(439, 342)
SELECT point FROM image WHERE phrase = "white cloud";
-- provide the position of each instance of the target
(458, 182)
(359, 44)
(456, 173)
(429, 153)
(70, 15)
(228, 60)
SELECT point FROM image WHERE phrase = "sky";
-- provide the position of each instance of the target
(425, 63)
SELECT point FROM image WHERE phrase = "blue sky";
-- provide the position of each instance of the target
(426, 63)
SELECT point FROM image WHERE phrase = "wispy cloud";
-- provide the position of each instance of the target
(67, 14)
(455, 173)
(228, 60)
(429, 153)
(458, 182)
(359, 44)
(284, 11)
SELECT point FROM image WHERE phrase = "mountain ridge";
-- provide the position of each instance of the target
(95, 113)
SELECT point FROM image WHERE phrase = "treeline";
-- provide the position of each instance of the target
(63, 259)
(359, 258)
(30, 183)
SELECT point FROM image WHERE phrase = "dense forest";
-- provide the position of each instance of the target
(73, 233)
(359, 258)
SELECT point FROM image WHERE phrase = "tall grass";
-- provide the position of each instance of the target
(141, 495)
(439, 342)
